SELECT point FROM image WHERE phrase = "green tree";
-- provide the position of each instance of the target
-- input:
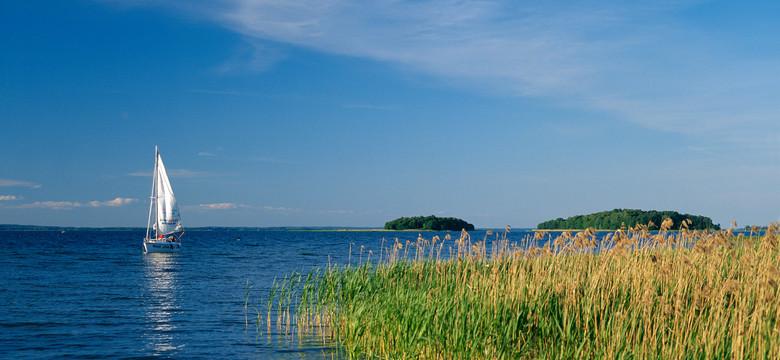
(613, 220)
(428, 223)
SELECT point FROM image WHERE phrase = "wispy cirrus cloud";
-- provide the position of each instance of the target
(233, 206)
(113, 203)
(654, 64)
(280, 208)
(222, 206)
(255, 56)
(67, 205)
(211, 153)
(9, 183)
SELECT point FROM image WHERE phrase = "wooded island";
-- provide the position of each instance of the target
(428, 223)
(625, 218)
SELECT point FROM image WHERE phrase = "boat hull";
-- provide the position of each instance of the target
(161, 246)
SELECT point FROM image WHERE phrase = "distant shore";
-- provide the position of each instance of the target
(14, 227)
(381, 230)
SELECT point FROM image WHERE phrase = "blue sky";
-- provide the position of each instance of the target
(353, 113)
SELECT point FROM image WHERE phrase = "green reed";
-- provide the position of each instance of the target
(572, 298)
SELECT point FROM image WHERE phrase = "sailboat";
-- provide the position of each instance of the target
(164, 219)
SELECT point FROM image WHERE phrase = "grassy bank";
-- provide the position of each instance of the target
(458, 299)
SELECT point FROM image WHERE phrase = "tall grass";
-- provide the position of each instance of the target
(632, 295)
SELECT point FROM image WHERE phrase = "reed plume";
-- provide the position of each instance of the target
(626, 294)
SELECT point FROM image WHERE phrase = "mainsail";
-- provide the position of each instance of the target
(168, 219)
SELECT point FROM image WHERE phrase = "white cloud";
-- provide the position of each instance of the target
(279, 208)
(637, 61)
(56, 205)
(218, 150)
(9, 197)
(67, 205)
(221, 206)
(528, 49)
(258, 56)
(9, 183)
(113, 203)
(232, 206)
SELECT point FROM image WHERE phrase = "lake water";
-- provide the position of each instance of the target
(94, 294)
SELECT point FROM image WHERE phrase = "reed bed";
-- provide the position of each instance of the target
(631, 294)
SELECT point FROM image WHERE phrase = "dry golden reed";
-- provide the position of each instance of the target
(628, 294)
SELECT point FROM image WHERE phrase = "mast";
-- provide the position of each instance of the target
(152, 200)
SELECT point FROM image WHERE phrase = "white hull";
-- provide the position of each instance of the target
(161, 246)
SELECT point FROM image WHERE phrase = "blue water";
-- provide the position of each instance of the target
(94, 294)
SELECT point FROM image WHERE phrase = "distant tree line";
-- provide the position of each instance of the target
(14, 227)
(756, 228)
(615, 219)
(428, 223)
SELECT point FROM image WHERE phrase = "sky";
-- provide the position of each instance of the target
(354, 113)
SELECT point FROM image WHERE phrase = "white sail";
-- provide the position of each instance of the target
(168, 219)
